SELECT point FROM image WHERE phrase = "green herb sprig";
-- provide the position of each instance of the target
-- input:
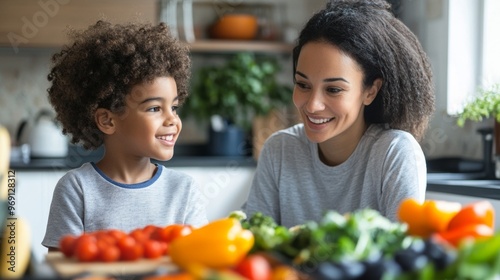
(485, 104)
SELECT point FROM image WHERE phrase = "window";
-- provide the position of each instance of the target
(473, 49)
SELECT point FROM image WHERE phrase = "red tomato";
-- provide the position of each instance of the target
(178, 231)
(480, 212)
(126, 245)
(164, 247)
(139, 235)
(106, 237)
(116, 234)
(254, 267)
(152, 249)
(149, 230)
(67, 245)
(171, 232)
(130, 249)
(86, 249)
(163, 234)
(108, 253)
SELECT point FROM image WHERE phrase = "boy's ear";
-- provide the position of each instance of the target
(104, 121)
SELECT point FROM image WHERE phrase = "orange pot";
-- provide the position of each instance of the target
(235, 27)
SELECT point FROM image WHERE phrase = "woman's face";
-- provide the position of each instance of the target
(329, 93)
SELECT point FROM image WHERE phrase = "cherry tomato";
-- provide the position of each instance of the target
(108, 253)
(164, 247)
(171, 232)
(130, 250)
(254, 267)
(106, 237)
(480, 212)
(86, 249)
(67, 245)
(139, 235)
(153, 249)
(116, 234)
(126, 245)
(178, 231)
(162, 234)
(149, 230)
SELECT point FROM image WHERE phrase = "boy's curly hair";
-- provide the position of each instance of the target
(368, 32)
(100, 67)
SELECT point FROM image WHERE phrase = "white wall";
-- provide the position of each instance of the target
(429, 21)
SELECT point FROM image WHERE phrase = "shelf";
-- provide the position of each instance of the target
(214, 46)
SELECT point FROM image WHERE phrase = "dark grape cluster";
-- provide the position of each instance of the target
(410, 260)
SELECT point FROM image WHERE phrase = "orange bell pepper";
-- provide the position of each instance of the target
(474, 231)
(439, 213)
(219, 244)
(480, 212)
(411, 212)
(423, 219)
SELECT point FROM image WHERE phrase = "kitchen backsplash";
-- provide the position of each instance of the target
(23, 87)
(23, 90)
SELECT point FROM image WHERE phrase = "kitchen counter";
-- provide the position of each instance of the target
(473, 184)
(184, 156)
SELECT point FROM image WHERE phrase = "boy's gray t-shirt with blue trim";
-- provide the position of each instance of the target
(293, 185)
(86, 200)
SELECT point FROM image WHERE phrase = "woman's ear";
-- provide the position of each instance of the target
(104, 121)
(373, 91)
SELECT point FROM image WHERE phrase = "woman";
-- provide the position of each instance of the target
(363, 88)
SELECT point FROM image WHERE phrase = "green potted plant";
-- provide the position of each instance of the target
(234, 93)
(485, 104)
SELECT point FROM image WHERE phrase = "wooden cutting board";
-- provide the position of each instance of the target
(66, 267)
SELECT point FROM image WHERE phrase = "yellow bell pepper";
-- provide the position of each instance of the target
(219, 244)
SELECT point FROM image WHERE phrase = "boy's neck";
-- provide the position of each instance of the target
(127, 170)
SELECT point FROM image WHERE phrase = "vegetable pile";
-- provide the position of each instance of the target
(433, 240)
(360, 245)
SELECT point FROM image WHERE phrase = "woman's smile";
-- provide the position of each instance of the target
(317, 120)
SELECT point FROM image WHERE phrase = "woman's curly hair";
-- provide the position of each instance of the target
(100, 67)
(385, 48)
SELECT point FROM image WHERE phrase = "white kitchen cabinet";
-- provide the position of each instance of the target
(225, 188)
(33, 196)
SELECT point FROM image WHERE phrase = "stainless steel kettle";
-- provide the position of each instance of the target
(43, 135)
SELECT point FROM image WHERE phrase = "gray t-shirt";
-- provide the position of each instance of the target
(292, 185)
(86, 200)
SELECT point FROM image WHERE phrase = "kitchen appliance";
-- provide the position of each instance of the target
(43, 136)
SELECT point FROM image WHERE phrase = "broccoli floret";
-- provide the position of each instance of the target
(238, 215)
(268, 234)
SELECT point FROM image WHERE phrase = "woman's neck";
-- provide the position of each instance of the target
(337, 150)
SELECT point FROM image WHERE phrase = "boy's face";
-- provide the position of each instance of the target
(150, 125)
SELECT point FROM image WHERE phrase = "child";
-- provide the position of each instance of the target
(120, 86)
